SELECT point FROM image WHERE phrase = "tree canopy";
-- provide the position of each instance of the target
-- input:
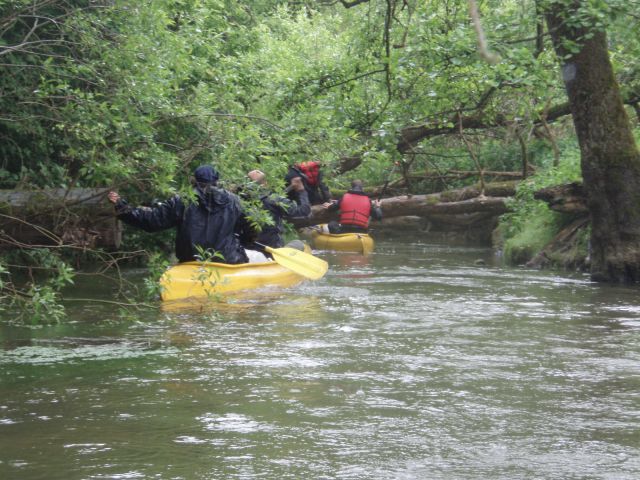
(122, 92)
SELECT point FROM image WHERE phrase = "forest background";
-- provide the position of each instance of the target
(134, 95)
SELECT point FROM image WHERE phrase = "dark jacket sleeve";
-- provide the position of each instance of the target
(152, 219)
(245, 230)
(300, 209)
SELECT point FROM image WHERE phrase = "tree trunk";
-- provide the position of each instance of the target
(610, 159)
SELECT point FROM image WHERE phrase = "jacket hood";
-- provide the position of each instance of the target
(211, 196)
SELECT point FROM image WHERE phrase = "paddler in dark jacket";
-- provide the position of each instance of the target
(214, 222)
(356, 209)
(279, 208)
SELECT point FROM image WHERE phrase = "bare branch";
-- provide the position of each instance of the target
(223, 115)
(387, 47)
(357, 77)
(473, 155)
(490, 57)
(353, 3)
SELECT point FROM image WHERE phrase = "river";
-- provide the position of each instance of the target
(420, 361)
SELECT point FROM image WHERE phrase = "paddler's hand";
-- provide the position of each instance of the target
(326, 205)
(377, 203)
(113, 197)
(296, 184)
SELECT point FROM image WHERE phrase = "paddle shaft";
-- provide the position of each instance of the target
(273, 250)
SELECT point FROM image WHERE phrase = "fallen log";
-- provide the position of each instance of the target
(462, 174)
(568, 198)
(407, 222)
(79, 217)
(475, 227)
(460, 222)
(450, 203)
(505, 188)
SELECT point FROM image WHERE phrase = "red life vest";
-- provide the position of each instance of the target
(355, 210)
(311, 171)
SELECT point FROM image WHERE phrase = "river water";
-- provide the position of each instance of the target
(420, 361)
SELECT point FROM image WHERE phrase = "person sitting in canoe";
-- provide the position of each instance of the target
(312, 178)
(215, 222)
(279, 208)
(356, 209)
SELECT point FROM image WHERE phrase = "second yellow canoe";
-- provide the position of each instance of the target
(343, 242)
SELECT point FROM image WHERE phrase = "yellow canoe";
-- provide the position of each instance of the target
(343, 242)
(203, 279)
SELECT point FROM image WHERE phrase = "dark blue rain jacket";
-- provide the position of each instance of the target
(215, 222)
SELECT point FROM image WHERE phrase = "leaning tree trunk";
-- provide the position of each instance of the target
(609, 156)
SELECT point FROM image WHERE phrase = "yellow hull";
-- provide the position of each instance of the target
(198, 279)
(343, 242)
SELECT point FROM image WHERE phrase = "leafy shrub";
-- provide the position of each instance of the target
(530, 224)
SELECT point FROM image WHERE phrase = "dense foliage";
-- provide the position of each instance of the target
(133, 95)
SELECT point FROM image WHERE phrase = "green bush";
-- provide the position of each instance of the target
(530, 224)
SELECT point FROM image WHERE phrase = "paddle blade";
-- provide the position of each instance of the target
(302, 263)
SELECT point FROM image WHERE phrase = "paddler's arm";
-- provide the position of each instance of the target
(245, 230)
(302, 208)
(150, 219)
(332, 205)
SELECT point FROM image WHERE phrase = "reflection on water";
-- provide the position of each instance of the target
(241, 302)
(418, 361)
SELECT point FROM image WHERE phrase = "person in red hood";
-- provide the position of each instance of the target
(356, 209)
(312, 179)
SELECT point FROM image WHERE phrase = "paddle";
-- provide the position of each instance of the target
(299, 262)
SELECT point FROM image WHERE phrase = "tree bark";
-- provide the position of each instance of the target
(610, 160)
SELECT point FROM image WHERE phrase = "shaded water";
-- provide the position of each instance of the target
(414, 362)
